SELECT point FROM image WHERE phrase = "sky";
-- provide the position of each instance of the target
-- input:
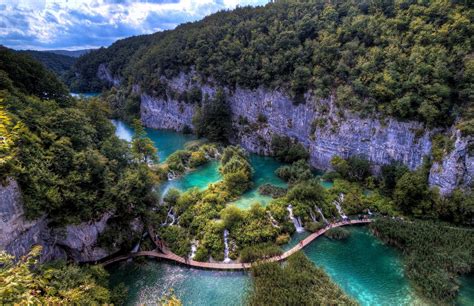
(82, 24)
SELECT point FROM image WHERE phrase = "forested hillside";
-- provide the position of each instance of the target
(63, 152)
(57, 63)
(408, 59)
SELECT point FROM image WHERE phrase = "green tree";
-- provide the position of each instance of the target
(27, 282)
(213, 120)
(142, 146)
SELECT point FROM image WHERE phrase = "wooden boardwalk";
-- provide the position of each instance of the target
(233, 266)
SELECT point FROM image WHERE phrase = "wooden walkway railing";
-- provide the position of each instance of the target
(233, 266)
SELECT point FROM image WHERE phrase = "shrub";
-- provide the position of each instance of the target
(314, 226)
(287, 150)
(176, 239)
(435, 254)
(299, 282)
(271, 190)
(202, 254)
(296, 172)
(197, 158)
(355, 168)
(283, 239)
(258, 252)
(441, 145)
(337, 233)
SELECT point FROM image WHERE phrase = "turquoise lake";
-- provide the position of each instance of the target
(362, 266)
(165, 141)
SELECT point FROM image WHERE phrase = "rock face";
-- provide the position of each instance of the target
(457, 168)
(18, 235)
(319, 125)
(164, 114)
(104, 73)
(80, 240)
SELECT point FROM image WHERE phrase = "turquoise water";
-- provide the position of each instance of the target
(294, 240)
(466, 291)
(165, 141)
(365, 269)
(200, 178)
(85, 95)
(264, 173)
(149, 280)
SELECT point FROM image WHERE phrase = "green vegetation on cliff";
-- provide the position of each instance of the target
(408, 59)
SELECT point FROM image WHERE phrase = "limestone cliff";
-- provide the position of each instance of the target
(18, 234)
(318, 124)
(104, 73)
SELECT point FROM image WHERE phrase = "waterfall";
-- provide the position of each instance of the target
(321, 214)
(296, 221)
(311, 214)
(338, 203)
(274, 222)
(169, 215)
(226, 246)
(369, 212)
(193, 250)
(136, 247)
(172, 216)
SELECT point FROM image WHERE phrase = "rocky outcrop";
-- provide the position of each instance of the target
(104, 74)
(18, 234)
(322, 127)
(456, 169)
(166, 113)
(80, 241)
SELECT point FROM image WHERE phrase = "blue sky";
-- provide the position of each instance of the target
(80, 24)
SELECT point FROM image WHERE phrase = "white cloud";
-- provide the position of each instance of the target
(47, 24)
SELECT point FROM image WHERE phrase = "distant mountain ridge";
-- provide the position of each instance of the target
(75, 53)
(57, 63)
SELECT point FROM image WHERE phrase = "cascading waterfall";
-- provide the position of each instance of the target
(170, 215)
(193, 250)
(296, 220)
(321, 214)
(338, 203)
(137, 246)
(226, 246)
(311, 214)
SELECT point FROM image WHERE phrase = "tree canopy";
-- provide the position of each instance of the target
(408, 59)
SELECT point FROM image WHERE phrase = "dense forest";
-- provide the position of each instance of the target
(408, 59)
(57, 63)
(64, 153)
